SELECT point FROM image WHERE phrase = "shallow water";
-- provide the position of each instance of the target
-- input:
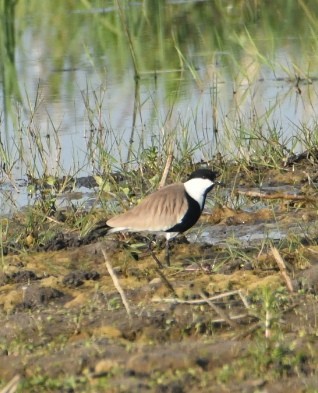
(245, 234)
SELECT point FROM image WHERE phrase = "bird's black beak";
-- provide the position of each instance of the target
(219, 183)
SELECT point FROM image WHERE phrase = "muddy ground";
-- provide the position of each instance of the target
(222, 318)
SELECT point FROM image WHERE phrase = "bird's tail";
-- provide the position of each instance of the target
(100, 229)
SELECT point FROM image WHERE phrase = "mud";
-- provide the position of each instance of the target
(220, 319)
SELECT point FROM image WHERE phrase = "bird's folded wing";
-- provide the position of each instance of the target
(157, 212)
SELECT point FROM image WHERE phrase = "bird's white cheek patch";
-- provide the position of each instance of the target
(196, 188)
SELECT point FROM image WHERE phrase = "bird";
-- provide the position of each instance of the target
(171, 210)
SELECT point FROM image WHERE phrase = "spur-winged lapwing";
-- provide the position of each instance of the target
(169, 211)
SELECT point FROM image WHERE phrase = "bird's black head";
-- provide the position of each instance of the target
(204, 173)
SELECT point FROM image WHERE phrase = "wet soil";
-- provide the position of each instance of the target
(220, 319)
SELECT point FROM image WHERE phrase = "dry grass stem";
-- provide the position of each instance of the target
(155, 258)
(282, 267)
(167, 283)
(232, 318)
(276, 195)
(12, 385)
(244, 299)
(116, 283)
(219, 311)
(268, 323)
(198, 301)
(166, 170)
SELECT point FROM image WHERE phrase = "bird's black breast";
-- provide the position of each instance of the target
(190, 218)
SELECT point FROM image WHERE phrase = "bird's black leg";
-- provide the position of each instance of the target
(167, 256)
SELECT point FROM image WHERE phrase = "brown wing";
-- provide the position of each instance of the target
(157, 212)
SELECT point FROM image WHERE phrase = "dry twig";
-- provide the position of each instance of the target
(282, 267)
(117, 284)
(219, 311)
(224, 317)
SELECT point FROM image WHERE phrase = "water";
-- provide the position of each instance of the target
(246, 235)
(207, 73)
